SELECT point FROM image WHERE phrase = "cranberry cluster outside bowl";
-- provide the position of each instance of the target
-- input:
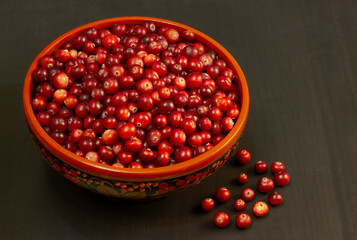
(132, 183)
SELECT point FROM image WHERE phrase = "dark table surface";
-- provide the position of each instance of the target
(300, 61)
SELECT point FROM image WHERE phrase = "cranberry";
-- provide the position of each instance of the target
(265, 184)
(221, 219)
(222, 194)
(275, 198)
(277, 167)
(207, 204)
(146, 155)
(124, 157)
(135, 165)
(110, 136)
(106, 153)
(239, 204)
(243, 220)
(242, 178)
(183, 154)
(247, 194)
(153, 137)
(260, 167)
(92, 156)
(260, 209)
(44, 118)
(39, 103)
(243, 156)
(162, 158)
(178, 137)
(133, 145)
(166, 146)
(188, 125)
(281, 178)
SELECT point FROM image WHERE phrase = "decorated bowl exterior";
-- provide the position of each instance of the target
(130, 189)
(136, 183)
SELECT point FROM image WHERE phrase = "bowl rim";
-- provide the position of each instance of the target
(166, 172)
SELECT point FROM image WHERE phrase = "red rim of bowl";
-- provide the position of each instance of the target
(133, 174)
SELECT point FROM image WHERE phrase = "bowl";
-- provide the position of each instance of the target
(131, 183)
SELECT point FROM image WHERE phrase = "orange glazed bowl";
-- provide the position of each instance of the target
(134, 183)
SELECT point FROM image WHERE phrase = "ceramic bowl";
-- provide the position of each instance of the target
(131, 183)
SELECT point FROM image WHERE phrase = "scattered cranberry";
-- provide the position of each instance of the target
(243, 220)
(248, 194)
(207, 204)
(223, 194)
(275, 198)
(260, 167)
(242, 178)
(260, 209)
(265, 184)
(281, 178)
(221, 219)
(243, 156)
(277, 167)
(239, 204)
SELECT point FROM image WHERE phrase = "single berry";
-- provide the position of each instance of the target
(282, 178)
(260, 167)
(243, 220)
(223, 194)
(221, 219)
(277, 167)
(247, 194)
(207, 204)
(239, 204)
(242, 178)
(265, 184)
(260, 209)
(275, 198)
(243, 156)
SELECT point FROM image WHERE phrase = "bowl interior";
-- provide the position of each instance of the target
(175, 170)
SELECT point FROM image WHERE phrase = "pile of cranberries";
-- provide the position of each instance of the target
(264, 185)
(135, 95)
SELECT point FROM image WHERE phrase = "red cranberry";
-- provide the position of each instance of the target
(44, 118)
(260, 167)
(146, 155)
(242, 178)
(247, 194)
(135, 165)
(110, 136)
(92, 156)
(221, 219)
(265, 184)
(243, 220)
(207, 204)
(153, 137)
(86, 144)
(188, 125)
(133, 145)
(277, 167)
(124, 157)
(105, 153)
(162, 158)
(243, 156)
(222, 194)
(281, 178)
(275, 198)
(39, 103)
(178, 137)
(239, 204)
(260, 209)
(183, 154)
(165, 146)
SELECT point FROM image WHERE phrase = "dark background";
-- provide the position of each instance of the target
(300, 61)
